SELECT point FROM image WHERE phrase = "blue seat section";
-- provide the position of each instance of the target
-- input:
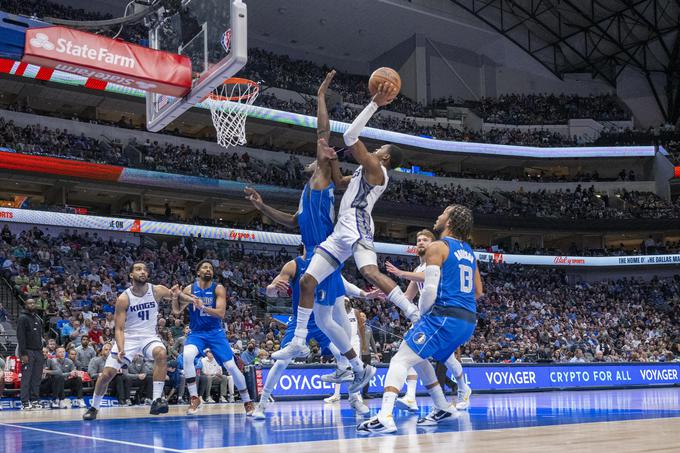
(13, 34)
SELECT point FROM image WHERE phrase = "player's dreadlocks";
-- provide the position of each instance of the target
(460, 222)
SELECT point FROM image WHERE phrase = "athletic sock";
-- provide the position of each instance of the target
(245, 396)
(411, 385)
(438, 397)
(397, 297)
(303, 315)
(356, 364)
(97, 400)
(337, 390)
(193, 391)
(158, 389)
(387, 404)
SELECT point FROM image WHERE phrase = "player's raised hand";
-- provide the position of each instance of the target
(254, 197)
(326, 83)
(326, 150)
(386, 94)
(394, 270)
(282, 287)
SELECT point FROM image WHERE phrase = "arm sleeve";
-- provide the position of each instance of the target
(352, 290)
(351, 135)
(429, 291)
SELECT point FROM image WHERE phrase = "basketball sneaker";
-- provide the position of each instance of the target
(358, 405)
(378, 425)
(437, 416)
(27, 406)
(463, 399)
(194, 405)
(250, 408)
(91, 414)
(259, 414)
(159, 406)
(339, 376)
(296, 348)
(407, 404)
(361, 379)
(334, 398)
(64, 404)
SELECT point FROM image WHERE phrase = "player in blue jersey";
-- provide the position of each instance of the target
(448, 310)
(205, 323)
(289, 279)
(316, 218)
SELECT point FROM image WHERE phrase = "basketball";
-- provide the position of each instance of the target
(382, 75)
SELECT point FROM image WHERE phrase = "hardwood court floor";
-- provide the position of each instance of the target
(640, 420)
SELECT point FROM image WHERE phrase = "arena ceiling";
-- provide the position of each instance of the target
(601, 37)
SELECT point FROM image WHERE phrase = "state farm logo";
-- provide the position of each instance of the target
(567, 260)
(42, 41)
(82, 50)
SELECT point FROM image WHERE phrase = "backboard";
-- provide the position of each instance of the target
(197, 28)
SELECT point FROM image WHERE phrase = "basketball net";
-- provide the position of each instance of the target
(229, 106)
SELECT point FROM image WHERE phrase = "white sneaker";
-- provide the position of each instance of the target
(437, 416)
(54, 404)
(64, 404)
(296, 348)
(259, 413)
(463, 399)
(407, 404)
(231, 399)
(358, 405)
(339, 376)
(80, 403)
(332, 399)
(222, 399)
(361, 379)
(378, 425)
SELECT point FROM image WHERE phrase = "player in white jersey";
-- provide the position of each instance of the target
(416, 281)
(353, 235)
(356, 326)
(135, 318)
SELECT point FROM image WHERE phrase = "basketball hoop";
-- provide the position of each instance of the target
(229, 105)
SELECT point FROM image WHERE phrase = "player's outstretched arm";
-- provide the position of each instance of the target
(122, 304)
(281, 282)
(434, 257)
(412, 291)
(323, 124)
(178, 305)
(280, 217)
(371, 164)
(418, 277)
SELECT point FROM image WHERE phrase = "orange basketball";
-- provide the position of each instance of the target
(382, 75)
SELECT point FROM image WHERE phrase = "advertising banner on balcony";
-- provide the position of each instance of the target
(108, 60)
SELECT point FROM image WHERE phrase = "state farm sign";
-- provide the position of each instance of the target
(107, 59)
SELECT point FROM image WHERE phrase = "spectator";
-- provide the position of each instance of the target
(84, 354)
(62, 374)
(249, 354)
(213, 373)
